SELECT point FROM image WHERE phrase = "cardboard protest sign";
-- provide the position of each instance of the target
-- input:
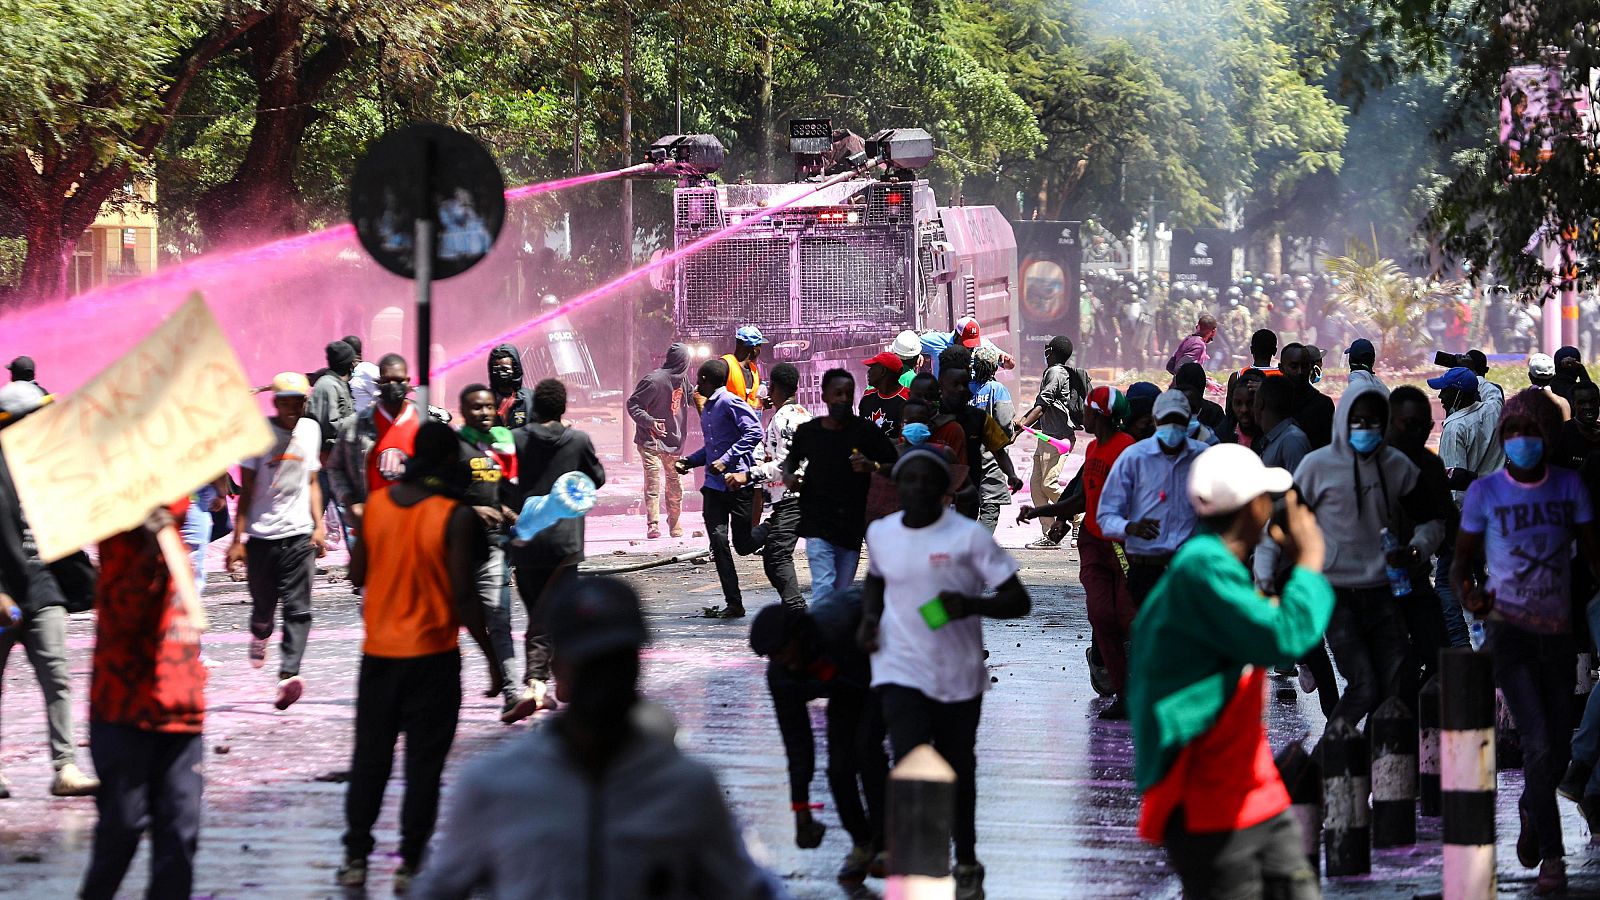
(167, 417)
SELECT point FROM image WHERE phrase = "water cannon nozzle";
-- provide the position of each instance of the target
(684, 156)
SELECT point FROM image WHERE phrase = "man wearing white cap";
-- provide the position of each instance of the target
(1541, 372)
(908, 347)
(1202, 647)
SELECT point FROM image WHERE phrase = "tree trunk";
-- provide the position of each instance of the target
(631, 310)
(261, 201)
(1274, 248)
(764, 111)
(44, 269)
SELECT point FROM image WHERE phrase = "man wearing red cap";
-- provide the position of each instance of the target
(967, 334)
(885, 400)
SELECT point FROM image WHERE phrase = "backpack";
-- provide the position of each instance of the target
(1078, 387)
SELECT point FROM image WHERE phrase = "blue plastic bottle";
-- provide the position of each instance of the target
(1399, 578)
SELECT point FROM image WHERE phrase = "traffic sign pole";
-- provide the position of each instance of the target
(424, 279)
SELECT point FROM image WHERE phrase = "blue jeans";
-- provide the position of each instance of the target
(197, 533)
(832, 567)
(1455, 623)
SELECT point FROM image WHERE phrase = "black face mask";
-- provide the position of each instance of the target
(393, 392)
(841, 411)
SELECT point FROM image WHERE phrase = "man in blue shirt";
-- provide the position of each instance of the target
(732, 430)
(966, 334)
(1144, 504)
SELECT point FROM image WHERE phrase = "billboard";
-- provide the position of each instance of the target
(1202, 256)
(1049, 269)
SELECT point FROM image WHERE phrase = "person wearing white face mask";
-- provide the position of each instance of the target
(1143, 502)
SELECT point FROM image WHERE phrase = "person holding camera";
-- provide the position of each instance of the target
(1203, 644)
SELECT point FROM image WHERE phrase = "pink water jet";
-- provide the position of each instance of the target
(529, 190)
(627, 278)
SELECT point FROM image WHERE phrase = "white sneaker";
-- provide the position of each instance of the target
(289, 690)
(535, 696)
(71, 782)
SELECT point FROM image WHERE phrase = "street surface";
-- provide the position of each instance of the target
(1056, 813)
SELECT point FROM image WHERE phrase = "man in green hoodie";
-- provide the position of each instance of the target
(1203, 644)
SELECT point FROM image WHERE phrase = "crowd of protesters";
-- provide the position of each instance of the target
(1279, 529)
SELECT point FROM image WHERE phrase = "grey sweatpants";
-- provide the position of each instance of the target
(44, 637)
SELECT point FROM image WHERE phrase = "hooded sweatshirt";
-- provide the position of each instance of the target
(1354, 498)
(658, 399)
(545, 452)
(513, 402)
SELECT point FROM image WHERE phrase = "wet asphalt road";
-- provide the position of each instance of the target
(1056, 812)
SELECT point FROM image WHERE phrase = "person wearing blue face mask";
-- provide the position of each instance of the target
(1143, 503)
(1358, 486)
(1520, 523)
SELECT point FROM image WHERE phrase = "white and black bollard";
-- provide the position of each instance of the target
(1303, 778)
(1346, 784)
(1467, 772)
(921, 816)
(1428, 746)
(1394, 774)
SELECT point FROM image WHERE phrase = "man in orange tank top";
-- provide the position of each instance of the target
(418, 559)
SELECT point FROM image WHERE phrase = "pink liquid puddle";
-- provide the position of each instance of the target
(627, 278)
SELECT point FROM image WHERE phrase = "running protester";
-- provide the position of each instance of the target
(840, 452)
(813, 653)
(1519, 524)
(489, 455)
(732, 431)
(778, 535)
(1105, 587)
(419, 560)
(373, 448)
(884, 402)
(922, 611)
(513, 402)
(1057, 412)
(278, 532)
(1203, 644)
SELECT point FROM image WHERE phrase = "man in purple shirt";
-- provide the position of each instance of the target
(732, 430)
(1193, 348)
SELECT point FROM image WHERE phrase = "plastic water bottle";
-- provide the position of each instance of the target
(571, 496)
(1399, 578)
(1475, 633)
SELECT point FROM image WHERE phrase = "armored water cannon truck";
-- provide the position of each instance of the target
(832, 279)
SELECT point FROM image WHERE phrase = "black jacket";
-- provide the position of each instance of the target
(659, 397)
(67, 582)
(842, 672)
(545, 452)
(1313, 412)
(513, 402)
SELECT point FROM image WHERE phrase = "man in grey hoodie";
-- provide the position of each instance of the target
(661, 418)
(1358, 486)
(592, 805)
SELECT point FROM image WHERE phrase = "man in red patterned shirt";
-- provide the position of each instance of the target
(146, 710)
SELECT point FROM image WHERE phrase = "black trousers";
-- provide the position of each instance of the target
(1142, 578)
(912, 719)
(280, 571)
(536, 584)
(148, 780)
(777, 554)
(1265, 861)
(728, 513)
(419, 697)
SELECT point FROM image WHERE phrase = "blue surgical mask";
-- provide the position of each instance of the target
(1172, 436)
(1194, 427)
(1316, 374)
(1365, 440)
(1524, 452)
(915, 433)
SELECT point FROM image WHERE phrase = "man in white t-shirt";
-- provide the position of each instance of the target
(280, 509)
(921, 620)
(363, 379)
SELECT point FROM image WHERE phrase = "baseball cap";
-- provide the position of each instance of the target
(749, 334)
(967, 332)
(1458, 377)
(1360, 345)
(19, 398)
(921, 452)
(886, 359)
(1172, 401)
(1108, 401)
(1540, 365)
(906, 344)
(595, 616)
(22, 365)
(1227, 476)
(290, 384)
(769, 630)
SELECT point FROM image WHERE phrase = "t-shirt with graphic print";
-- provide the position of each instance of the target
(884, 412)
(1527, 534)
(397, 440)
(279, 506)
